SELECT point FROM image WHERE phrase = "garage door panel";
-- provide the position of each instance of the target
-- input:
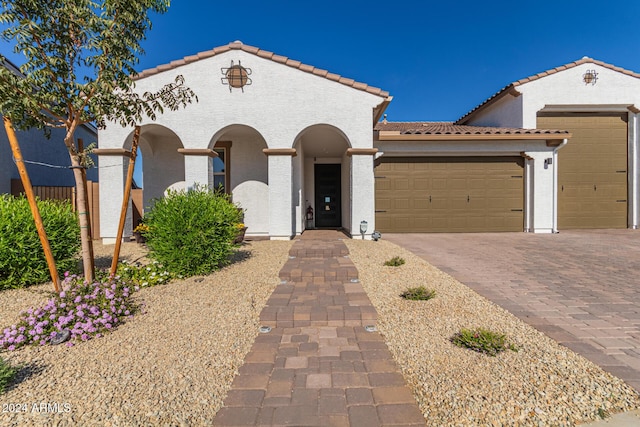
(451, 195)
(592, 177)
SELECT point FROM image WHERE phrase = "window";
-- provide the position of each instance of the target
(220, 167)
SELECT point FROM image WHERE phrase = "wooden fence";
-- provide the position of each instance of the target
(69, 193)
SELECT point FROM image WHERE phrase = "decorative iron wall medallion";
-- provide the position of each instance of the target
(590, 77)
(236, 76)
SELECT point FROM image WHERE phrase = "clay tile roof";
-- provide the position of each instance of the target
(263, 54)
(450, 128)
(511, 88)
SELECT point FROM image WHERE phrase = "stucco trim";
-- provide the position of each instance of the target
(361, 151)
(280, 152)
(589, 108)
(111, 152)
(197, 152)
(397, 136)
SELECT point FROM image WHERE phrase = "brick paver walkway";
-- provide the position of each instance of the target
(319, 366)
(581, 288)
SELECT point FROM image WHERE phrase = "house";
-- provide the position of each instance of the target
(47, 159)
(281, 137)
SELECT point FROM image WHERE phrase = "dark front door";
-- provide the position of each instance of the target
(327, 188)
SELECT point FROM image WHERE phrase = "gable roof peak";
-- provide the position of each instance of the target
(238, 45)
(511, 88)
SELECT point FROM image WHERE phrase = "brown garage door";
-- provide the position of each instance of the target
(449, 194)
(592, 170)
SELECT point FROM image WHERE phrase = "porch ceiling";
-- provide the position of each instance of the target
(323, 142)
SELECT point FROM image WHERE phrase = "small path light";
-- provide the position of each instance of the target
(370, 328)
(355, 280)
(265, 329)
(363, 228)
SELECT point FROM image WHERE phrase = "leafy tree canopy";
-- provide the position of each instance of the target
(80, 58)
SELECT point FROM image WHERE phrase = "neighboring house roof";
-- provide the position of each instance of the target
(4, 62)
(237, 45)
(511, 88)
(453, 130)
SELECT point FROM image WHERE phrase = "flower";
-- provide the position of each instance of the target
(141, 228)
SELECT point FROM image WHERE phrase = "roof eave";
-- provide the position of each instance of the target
(398, 136)
(508, 90)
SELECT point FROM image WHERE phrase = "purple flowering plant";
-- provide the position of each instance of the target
(87, 310)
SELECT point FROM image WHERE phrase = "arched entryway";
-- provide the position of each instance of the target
(322, 178)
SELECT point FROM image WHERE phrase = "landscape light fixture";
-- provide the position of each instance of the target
(590, 77)
(363, 228)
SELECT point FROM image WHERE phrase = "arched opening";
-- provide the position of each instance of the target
(322, 178)
(242, 171)
(162, 167)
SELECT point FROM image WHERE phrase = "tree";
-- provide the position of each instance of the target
(80, 57)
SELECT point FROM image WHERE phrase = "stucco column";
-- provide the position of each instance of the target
(544, 198)
(362, 190)
(197, 165)
(281, 225)
(112, 170)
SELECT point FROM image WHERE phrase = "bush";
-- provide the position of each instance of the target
(396, 261)
(85, 309)
(482, 341)
(22, 260)
(192, 232)
(144, 275)
(7, 372)
(418, 294)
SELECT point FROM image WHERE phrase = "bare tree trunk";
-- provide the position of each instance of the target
(83, 220)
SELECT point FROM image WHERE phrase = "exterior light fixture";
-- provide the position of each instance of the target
(590, 77)
(236, 76)
(363, 228)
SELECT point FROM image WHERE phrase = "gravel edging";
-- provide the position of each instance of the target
(171, 365)
(543, 383)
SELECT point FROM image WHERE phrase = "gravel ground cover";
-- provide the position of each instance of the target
(543, 384)
(173, 364)
(170, 365)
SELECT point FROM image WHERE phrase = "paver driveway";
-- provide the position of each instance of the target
(581, 288)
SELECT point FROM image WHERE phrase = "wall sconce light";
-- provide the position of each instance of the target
(363, 228)
(548, 161)
(590, 77)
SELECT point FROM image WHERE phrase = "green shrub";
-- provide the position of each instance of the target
(483, 341)
(7, 372)
(22, 260)
(192, 232)
(396, 261)
(418, 294)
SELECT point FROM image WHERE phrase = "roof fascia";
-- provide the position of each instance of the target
(397, 136)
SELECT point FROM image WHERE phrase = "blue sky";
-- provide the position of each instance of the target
(437, 59)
